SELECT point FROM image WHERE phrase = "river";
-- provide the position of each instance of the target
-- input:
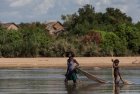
(51, 81)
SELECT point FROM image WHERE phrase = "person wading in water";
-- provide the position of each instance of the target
(71, 69)
(117, 75)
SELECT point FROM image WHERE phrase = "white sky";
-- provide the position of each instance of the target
(45, 10)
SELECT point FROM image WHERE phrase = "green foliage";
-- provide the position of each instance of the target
(80, 23)
(137, 25)
(114, 16)
(10, 42)
(118, 33)
(29, 41)
(88, 33)
(112, 43)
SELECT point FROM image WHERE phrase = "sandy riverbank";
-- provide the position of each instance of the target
(61, 62)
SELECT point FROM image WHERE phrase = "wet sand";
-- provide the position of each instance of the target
(61, 62)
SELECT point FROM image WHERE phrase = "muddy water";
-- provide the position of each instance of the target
(51, 81)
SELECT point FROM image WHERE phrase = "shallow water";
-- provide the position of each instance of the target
(51, 81)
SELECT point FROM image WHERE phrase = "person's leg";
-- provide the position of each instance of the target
(66, 80)
(74, 78)
(116, 80)
(74, 81)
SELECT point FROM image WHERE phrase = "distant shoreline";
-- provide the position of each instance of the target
(56, 62)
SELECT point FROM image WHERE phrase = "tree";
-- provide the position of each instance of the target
(138, 25)
(112, 43)
(116, 16)
(79, 23)
(129, 35)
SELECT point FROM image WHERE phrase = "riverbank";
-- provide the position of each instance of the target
(61, 62)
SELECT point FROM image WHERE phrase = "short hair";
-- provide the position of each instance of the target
(116, 61)
(70, 54)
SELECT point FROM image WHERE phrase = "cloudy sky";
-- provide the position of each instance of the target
(51, 10)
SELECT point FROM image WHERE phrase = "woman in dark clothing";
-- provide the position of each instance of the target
(117, 75)
(71, 69)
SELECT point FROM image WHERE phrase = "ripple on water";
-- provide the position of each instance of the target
(51, 81)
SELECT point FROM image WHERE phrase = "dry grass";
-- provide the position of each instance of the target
(61, 62)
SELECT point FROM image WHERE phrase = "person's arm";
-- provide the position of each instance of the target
(120, 75)
(77, 64)
(67, 68)
(113, 65)
(112, 60)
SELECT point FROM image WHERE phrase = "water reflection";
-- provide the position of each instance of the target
(71, 89)
(81, 88)
(116, 89)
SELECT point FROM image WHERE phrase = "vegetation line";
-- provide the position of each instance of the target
(87, 33)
